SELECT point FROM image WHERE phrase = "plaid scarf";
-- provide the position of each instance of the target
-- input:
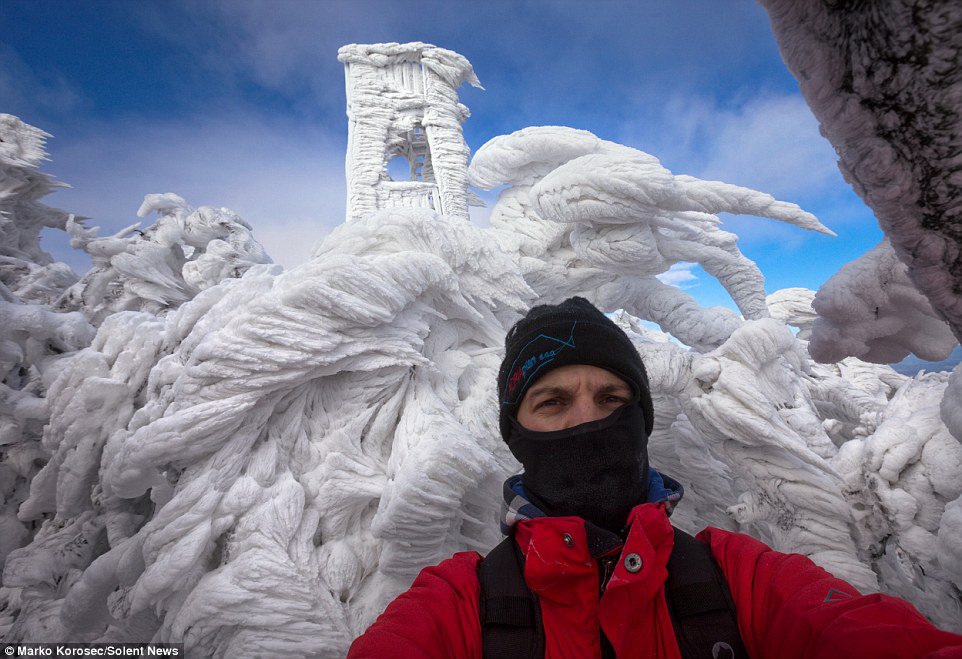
(516, 507)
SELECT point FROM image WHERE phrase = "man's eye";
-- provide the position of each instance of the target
(613, 399)
(548, 403)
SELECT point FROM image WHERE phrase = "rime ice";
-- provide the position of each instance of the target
(402, 103)
(207, 449)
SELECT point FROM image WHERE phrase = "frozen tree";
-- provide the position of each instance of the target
(606, 219)
(33, 338)
(61, 399)
(184, 252)
(793, 306)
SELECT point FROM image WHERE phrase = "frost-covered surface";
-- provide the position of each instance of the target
(909, 468)
(184, 252)
(402, 102)
(260, 468)
(33, 337)
(605, 219)
(313, 439)
(871, 310)
(793, 306)
(885, 82)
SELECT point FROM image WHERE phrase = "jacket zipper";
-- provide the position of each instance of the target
(607, 565)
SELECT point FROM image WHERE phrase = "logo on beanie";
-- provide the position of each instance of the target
(536, 353)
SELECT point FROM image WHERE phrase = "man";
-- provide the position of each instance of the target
(592, 548)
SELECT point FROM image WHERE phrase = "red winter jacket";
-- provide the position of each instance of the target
(787, 606)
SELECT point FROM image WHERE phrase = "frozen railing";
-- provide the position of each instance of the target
(408, 194)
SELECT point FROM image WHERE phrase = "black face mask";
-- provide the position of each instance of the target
(597, 470)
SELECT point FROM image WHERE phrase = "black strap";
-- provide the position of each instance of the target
(700, 603)
(511, 626)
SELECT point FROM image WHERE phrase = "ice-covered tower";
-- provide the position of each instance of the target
(402, 102)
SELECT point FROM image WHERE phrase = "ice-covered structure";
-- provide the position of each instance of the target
(259, 465)
(402, 102)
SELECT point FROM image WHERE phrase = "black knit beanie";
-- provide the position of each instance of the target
(573, 332)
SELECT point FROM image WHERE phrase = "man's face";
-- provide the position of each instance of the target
(571, 395)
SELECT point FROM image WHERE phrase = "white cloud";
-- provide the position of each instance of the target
(771, 144)
(481, 215)
(33, 94)
(767, 142)
(680, 275)
(289, 47)
(287, 183)
(290, 243)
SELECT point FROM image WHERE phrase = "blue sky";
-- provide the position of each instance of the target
(241, 104)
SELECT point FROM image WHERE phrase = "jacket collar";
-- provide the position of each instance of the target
(516, 507)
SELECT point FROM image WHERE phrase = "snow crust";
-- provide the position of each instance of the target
(206, 449)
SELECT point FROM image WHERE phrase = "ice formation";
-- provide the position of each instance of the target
(793, 306)
(402, 103)
(184, 252)
(871, 310)
(255, 462)
(33, 339)
(885, 82)
(605, 219)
